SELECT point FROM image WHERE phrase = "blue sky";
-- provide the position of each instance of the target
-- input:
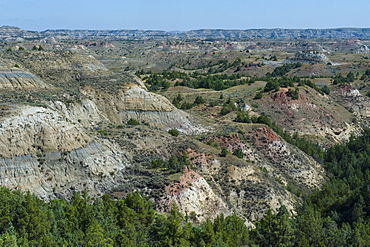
(183, 14)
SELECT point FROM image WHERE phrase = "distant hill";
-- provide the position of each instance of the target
(346, 33)
(280, 33)
(15, 32)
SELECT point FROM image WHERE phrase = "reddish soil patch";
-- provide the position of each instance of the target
(263, 136)
(198, 159)
(186, 180)
(284, 97)
(346, 88)
(230, 142)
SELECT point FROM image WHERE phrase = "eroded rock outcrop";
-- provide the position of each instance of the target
(95, 168)
(309, 115)
(84, 112)
(363, 49)
(287, 163)
(355, 102)
(309, 57)
(35, 128)
(193, 194)
(42, 151)
(133, 101)
(247, 185)
(19, 79)
(55, 67)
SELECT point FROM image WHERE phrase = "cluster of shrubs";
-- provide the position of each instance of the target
(174, 132)
(34, 48)
(177, 102)
(282, 70)
(228, 107)
(274, 84)
(340, 79)
(237, 152)
(366, 75)
(173, 164)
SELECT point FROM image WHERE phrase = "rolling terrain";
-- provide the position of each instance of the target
(93, 114)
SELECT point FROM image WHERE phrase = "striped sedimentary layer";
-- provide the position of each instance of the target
(19, 79)
(46, 153)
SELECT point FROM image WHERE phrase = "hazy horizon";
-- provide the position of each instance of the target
(166, 15)
(228, 29)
